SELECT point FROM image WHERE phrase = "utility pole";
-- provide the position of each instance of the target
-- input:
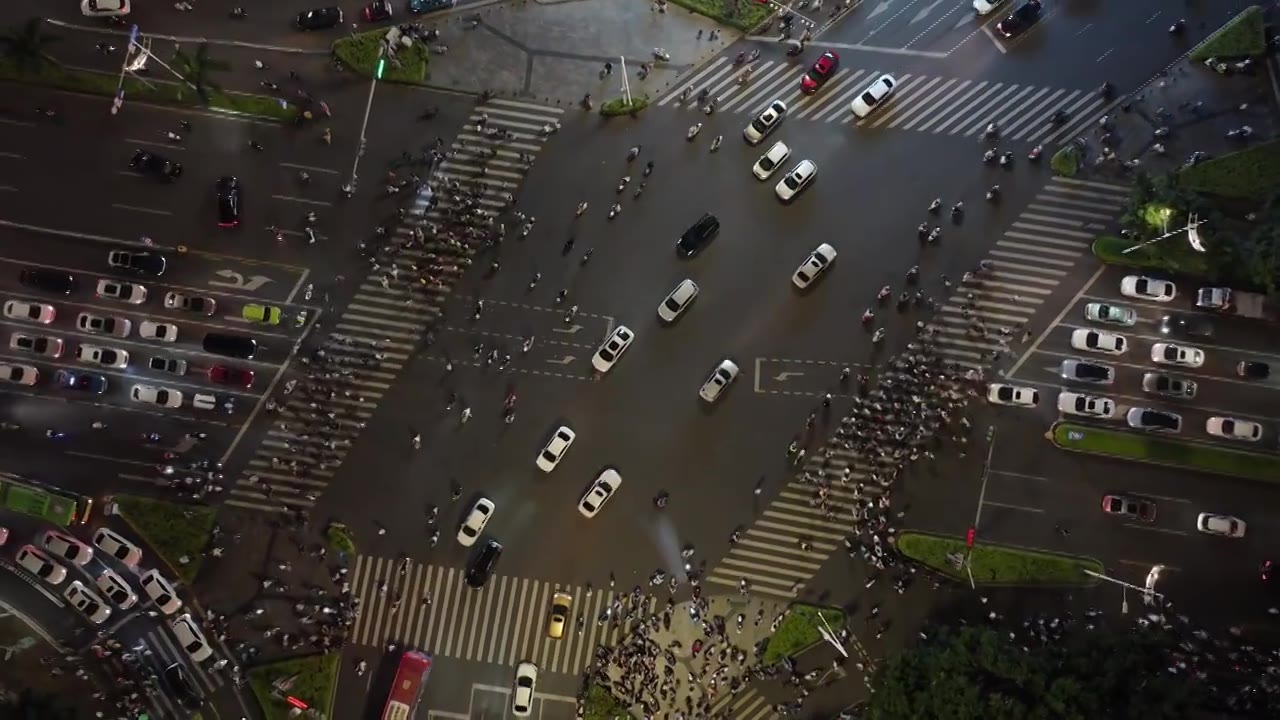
(364, 124)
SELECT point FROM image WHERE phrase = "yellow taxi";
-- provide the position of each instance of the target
(559, 617)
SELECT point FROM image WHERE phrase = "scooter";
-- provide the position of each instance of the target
(715, 144)
(660, 54)
(1034, 155)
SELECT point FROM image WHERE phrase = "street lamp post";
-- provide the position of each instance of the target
(1149, 593)
(1192, 229)
(364, 124)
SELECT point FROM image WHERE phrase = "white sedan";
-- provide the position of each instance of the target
(526, 683)
(1171, 354)
(42, 313)
(1099, 341)
(1071, 403)
(475, 521)
(87, 602)
(599, 493)
(190, 303)
(98, 355)
(1223, 525)
(67, 548)
(152, 395)
(19, 374)
(104, 325)
(678, 301)
(164, 332)
(115, 545)
(813, 266)
(160, 591)
(796, 180)
(104, 8)
(190, 638)
(1107, 313)
(1233, 428)
(722, 377)
(769, 162)
(1145, 288)
(553, 453)
(1001, 394)
(984, 7)
(765, 122)
(132, 293)
(873, 96)
(616, 344)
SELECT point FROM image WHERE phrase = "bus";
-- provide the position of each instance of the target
(49, 504)
(406, 689)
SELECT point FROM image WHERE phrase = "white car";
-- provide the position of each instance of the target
(1099, 341)
(813, 266)
(765, 122)
(722, 377)
(599, 493)
(30, 311)
(1108, 313)
(160, 591)
(1233, 428)
(475, 521)
(132, 293)
(1171, 354)
(19, 374)
(115, 545)
(553, 453)
(522, 693)
(88, 603)
(98, 355)
(190, 638)
(104, 8)
(164, 332)
(1145, 288)
(678, 301)
(984, 7)
(796, 180)
(37, 344)
(1072, 403)
(104, 325)
(67, 548)
(612, 348)
(191, 303)
(1224, 525)
(116, 589)
(871, 98)
(769, 162)
(1002, 394)
(152, 395)
(40, 565)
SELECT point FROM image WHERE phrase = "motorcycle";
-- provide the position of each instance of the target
(991, 131)
(933, 206)
(878, 336)
(661, 54)
(1241, 133)
(1006, 160)
(715, 144)
(868, 316)
(741, 58)
(1034, 155)
(883, 295)
(710, 108)
(993, 194)
(613, 211)
(623, 184)
(935, 235)
(989, 156)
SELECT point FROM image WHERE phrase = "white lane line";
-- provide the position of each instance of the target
(312, 168)
(290, 198)
(121, 206)
(167, 146)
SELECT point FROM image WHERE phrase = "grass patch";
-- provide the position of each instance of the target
(315, 676)
(799, 630)
(1110, 249)
(1250, 174)
(600, 704)
(360, 53)
(746, 14)
(340, 539)
(998, 564)
(172, 530)
(163, 92)
(1181, 454)
(1244, 35)
(620, 106)
(1066, 162)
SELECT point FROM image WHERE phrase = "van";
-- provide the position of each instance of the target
(230, 345)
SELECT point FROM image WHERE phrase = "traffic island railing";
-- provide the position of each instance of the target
(798, 631)
(1181, 454)
(281, 688)
(178, 533)
(997, 565)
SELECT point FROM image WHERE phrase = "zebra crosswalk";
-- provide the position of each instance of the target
(920, 103)
(1028, 262)
(159, 650)
(380, 328)
(747, 704)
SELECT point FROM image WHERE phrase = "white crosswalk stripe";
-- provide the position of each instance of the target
(931, 104)
(1028, 263)
(385, 321)
(503, 623)
(161, 651)
(747, 704)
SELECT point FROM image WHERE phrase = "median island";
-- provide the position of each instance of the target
(997, 564)
(1180, 454)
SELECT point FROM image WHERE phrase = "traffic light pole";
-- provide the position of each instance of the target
(364, 124)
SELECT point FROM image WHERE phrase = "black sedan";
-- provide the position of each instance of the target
(228, 202)
(143, 263)
(319, 19)
(82, 381)
(1020, 19)
(159, 166)
(698, 236)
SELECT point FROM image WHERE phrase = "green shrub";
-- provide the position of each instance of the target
(1162, 451)
(315, 678)
(1168, 255)
(1245, 35)
(741, 14)
(340, 538)
(620, 106)
(998, 564)
(600, 704)
(172, 530)
(360, 53)
(1250, 174)
(799, 630)
(1066, 162)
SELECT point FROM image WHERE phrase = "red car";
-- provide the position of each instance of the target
(227, 375)
(1131, 507)
(818, 75)
(377, 11)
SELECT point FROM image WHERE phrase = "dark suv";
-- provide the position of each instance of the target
(698, 236)
(1020, 19)
(54, 282)
(144, 263)
(319, 19)
(186, 691)
(151, 164)
(481, 567)
(1186, 326)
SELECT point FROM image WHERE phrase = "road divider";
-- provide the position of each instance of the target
(1180, 454)
(799, 631)
(179, 534)
(988, 564)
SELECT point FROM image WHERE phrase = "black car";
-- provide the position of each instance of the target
(319, 19)
(698, 236)
(175, 676)
(228, 202)
(54, 282)
(82, 381)
(426, 6)
(149, 163)
(481, 567)
(144, 263)
(1020, 19)
(1253, 370)
(1186, 326)
(230, 345)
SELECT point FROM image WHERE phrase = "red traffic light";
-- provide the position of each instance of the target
(968, 538)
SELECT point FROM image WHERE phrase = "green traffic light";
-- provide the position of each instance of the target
(381, 64)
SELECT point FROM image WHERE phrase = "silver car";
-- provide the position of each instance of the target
(1168, 385)
(104, 325)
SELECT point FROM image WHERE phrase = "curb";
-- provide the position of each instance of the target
(1050, 436)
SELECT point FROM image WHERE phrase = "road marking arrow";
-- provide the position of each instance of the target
(924, 12)
(879, 9)
(568, 330)
(564, 360)
(237, 281)
(783, 376)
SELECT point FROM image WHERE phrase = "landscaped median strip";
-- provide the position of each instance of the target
(798, 631)
(1111, 250)
(998, 564)
(313, 680)
(175, 532)
(1163, 451)
(361, 52)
